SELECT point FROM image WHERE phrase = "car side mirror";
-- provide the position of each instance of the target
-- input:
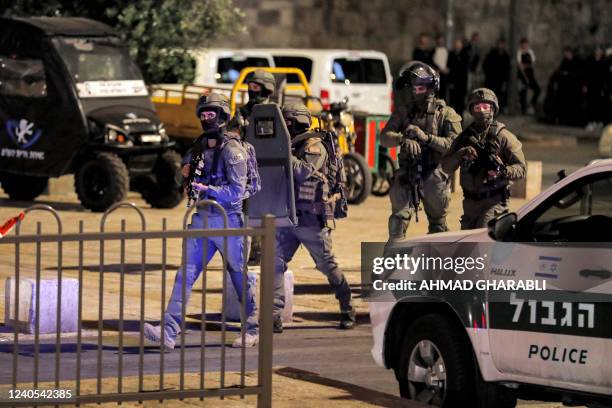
(502, 227)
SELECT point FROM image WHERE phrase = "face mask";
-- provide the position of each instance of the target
(294, 127)
(256, 96)
(211, 121)
(482, 119)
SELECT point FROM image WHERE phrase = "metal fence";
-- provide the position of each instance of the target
(69, 366)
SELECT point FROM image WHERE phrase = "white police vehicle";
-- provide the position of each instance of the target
(481, 353)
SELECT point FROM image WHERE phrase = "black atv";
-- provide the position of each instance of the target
(73, 101)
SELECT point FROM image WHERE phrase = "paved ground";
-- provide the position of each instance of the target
(310, 352)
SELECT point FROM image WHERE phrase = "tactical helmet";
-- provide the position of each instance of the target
(418, 73)
(263, 78)
(298, 112)
(213, 100)
(481, 95)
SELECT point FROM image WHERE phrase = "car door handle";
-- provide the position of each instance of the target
(599, 273)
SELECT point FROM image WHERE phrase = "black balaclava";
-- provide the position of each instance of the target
(482, 120)
(260, 96)
(294, 127)
(213, 129)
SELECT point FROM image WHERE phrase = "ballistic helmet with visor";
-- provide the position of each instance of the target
(417, 73)
(483, 95)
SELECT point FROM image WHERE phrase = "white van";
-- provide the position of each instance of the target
(363, 76)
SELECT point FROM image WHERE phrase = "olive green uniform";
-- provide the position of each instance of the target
(485, 199)
(420, 177)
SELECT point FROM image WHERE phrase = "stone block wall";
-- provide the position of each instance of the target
(392, 26)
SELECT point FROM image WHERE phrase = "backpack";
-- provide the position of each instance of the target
(253, 179)
(335, 173)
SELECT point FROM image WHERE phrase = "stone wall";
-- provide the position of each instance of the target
(392, 26)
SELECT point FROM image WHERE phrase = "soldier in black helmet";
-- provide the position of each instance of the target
(309, 161)
(261, 86)
(216, 168)
(490, 157)
(424, 128)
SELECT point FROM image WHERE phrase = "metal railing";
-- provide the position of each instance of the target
(24, 375)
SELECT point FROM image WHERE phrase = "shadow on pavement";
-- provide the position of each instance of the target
(57, 205)
(356, 392)
(128, 268)
(362, 318)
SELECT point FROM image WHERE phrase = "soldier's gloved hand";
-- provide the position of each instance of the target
(468, 153)
(199, 187)
(416, 133)
(413, 149)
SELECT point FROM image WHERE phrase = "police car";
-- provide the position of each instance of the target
(552, 345)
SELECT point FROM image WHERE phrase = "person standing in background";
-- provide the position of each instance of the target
(598, 83)
(440, 60)
(423, 51)
(526, 59)
(496, 68)
(458, 68)
(473, 51)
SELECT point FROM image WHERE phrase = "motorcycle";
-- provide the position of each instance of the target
(339, 119)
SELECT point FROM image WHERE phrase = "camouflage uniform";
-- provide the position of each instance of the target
(309, 162)
(442, 124)
(485, 196)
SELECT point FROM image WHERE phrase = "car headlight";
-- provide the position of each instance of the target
(162, 132)
(116, 135)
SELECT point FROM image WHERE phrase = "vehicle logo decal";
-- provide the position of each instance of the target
(22, 132)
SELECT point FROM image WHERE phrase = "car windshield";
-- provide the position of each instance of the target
(97, 59)
(228, 69)
(303, 63)
(358, 71)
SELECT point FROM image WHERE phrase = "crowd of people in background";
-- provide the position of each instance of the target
(578, 91)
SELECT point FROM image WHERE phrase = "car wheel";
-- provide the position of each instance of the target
(101, 181)
(358, 178)
(436, 366)
(165, 189)
(23, 188)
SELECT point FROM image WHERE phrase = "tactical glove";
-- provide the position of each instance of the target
(413, 149)
(416, 133)
(468, 153)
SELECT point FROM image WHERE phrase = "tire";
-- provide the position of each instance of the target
(382, 179)
(23, 188)
(358, 178)
(165, 188)
(101, 181)
(429, 342)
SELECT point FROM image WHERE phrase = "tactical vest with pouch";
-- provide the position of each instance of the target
(324, 192)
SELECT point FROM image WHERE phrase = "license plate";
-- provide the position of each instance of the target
(150, 138)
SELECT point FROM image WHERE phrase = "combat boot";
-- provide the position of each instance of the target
(277, 326)
(348, 320)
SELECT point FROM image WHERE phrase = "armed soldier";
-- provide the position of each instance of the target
(261, 86)
(315, 204)
(219, 170)
(490, 157)
(424, 128)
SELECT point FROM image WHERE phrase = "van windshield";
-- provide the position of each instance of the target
(303, 63)
(97, 59)
(358, 71)
(228, 69)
